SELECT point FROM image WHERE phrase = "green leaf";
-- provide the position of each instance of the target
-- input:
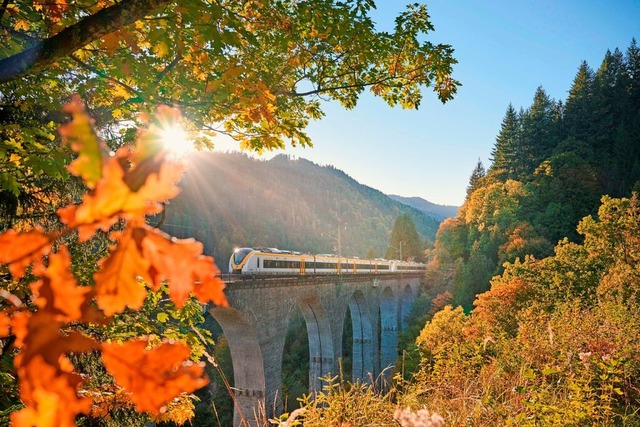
(550, 371)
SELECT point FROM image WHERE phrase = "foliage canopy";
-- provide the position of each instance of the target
(255, 70)
(551, 164)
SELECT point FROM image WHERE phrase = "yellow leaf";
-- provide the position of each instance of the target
(15, 159)
(161, 48)
(21, 25)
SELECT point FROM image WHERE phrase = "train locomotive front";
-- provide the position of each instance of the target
(242, 260)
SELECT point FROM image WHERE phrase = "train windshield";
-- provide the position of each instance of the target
(240, 254)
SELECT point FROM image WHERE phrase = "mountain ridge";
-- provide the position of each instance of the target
(440, 212)
(230, 200)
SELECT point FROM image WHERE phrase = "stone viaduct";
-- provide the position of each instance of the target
(261, 307)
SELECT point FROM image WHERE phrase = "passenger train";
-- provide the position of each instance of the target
(276, 261)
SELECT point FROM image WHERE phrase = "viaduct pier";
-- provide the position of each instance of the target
(256, 326)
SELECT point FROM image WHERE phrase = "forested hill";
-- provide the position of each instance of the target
(437, 211)
(552, 163)
(231, 200)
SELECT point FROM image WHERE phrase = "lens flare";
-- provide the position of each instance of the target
(177, 141)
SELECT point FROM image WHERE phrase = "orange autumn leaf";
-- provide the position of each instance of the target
(48, 386)
(52, 398)
(209, 286)
(39, 334)
(82, 139)
(113, 196)
(55, 9)
(20, 250)
(159, 186)
(153, 377)
(117, 283)
(129, 185)
(180, 261)
(57, 292)
(100, 208)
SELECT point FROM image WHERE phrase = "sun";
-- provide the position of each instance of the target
(176, 140)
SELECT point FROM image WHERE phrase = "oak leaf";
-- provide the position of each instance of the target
(20, 250)
(181, 263)
(153, 377)
(123, 194)
(48, 385)
(100, 208)
(39, 334)
(51, 396)
(208, 286)
(57, 291)
(82, 139)
(118, 283)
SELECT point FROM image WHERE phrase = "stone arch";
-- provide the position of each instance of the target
(405, 307)
(362, 337)
(248, 367)
(388, 331)
(320, 341)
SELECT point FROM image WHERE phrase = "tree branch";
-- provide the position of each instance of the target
(74, 37)
(103, 75)
(321, 90)
(5, 3)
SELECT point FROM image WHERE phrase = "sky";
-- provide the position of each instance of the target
(505, 50)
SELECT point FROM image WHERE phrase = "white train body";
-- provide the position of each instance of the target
(275, 261)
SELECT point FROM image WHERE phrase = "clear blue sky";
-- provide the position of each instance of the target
(505, 50)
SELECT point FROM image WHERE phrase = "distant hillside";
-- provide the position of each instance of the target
(231, 200)
(439, 212)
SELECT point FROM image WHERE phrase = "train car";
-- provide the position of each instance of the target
(276, 261)
(409, 266)
(267, 260)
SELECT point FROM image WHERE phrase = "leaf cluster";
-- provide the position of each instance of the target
(255, 71)
(53, 316)
(554, 342)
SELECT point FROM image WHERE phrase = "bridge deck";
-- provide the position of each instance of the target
(274, 280)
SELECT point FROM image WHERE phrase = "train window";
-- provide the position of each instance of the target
(276, 263)
(326, 265)
(240, 254)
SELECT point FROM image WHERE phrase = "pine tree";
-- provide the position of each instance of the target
(578, 120)
(633, 112)
(612, 104)
(505, 150)
(602, 109)
(633, 71)
(538, 136)
(475, 180)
